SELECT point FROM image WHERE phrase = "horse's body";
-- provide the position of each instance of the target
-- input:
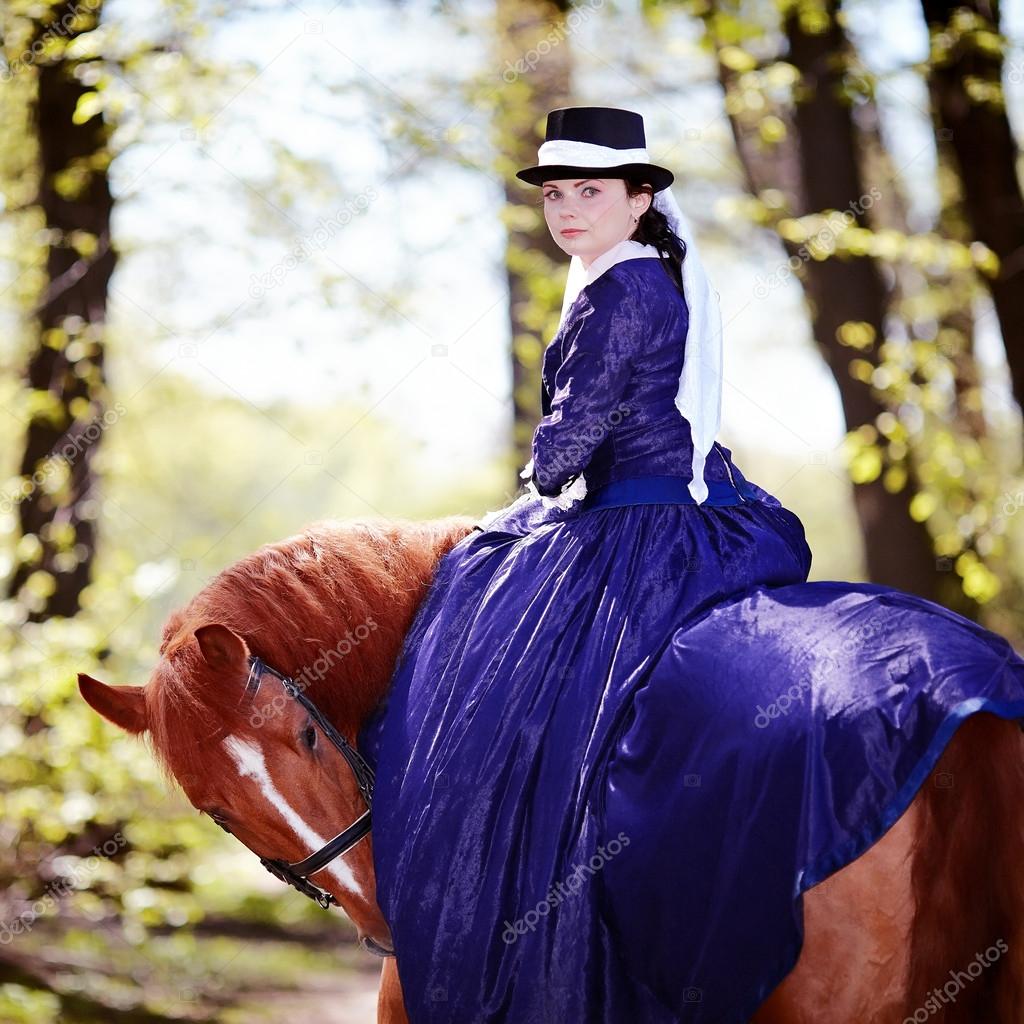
(927, 922)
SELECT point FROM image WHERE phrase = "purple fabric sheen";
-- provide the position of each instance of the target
(491, 746)
(610, 377)
(577, 815)
(791, 726)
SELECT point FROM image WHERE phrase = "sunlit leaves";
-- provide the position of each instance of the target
(45, 405)
(923, 506)
(866, 465)
(863, 455)
(772, 129)
(21, 1005)
(856, 334)
(895, 478)
(736, 58)
(84, 243)
(528, 350)
(984, 259)
(29, 548)
(979, 581)
(90, 105)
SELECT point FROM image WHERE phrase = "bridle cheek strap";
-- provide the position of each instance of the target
(341, 843)
(297, 874)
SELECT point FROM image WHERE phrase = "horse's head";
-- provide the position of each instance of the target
(330, 607)
(257, 764)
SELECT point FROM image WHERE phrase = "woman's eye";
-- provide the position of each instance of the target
(309, 736)
(590, 188)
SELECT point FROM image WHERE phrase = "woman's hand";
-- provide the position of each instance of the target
(572, 491)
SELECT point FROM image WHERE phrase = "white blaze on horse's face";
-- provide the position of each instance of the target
(250, 762)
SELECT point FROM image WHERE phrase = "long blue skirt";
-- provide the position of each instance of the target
(620, 743)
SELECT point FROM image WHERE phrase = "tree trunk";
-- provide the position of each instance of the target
(966, 90)
(65, 371)
(817, 167)
(956, 317)
(530, 88)
(899, 549)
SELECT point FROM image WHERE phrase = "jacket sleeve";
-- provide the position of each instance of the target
(589, 382)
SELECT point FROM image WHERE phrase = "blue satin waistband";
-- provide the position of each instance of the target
(652, 490)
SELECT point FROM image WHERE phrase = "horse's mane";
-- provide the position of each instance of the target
(291, 601)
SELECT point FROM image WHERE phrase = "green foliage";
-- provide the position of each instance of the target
(190, 483)
(112, 884)
(940, 439)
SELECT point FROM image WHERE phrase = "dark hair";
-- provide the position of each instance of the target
(653, 229)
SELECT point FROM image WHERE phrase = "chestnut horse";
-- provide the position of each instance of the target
(893, 937)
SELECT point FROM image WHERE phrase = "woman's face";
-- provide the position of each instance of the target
(596, 211)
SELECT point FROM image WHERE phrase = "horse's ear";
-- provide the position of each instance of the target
(125, 706)
(221, 647)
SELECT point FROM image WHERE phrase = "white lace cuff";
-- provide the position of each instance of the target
(569, 494)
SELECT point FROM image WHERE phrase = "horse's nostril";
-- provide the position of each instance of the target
(374, 947)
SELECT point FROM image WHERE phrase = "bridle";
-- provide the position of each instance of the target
(297, 874)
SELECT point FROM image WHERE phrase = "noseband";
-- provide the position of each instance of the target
(297, 874)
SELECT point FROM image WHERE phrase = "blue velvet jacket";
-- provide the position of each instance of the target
(610, 377)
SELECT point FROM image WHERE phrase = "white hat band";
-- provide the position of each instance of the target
(587, 154)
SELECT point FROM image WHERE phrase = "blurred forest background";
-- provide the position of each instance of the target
(264, 263)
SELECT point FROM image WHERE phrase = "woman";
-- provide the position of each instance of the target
(625, 733)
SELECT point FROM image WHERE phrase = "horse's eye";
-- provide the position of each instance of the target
(309, 736)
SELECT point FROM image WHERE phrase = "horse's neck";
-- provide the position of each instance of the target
(349, 667)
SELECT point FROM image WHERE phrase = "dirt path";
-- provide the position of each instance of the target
(349, 997)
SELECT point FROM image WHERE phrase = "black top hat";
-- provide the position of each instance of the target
(605, 142)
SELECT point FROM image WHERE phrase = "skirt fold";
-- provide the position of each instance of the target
(620, 744)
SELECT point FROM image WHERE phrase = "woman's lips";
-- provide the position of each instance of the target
(569, 232)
